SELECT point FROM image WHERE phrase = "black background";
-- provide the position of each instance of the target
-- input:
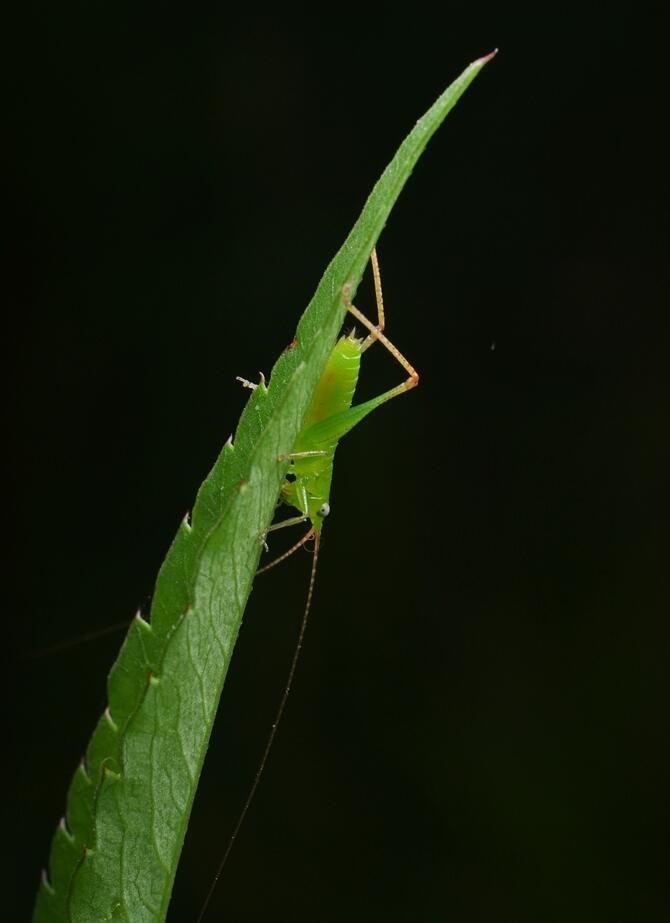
(478, 728)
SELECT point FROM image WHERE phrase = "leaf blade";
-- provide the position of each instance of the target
(129, 803)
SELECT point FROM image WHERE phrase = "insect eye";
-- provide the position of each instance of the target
(324, 509)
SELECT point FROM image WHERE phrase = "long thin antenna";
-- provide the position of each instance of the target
(60, 646)
(273, 731)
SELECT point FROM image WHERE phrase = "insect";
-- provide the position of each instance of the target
(330, 417)
(307, 484)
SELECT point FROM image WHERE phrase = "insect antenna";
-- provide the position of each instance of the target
(69, 643)
(275, 724)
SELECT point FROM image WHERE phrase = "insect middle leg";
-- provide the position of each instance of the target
(293, 521)
(287, 554)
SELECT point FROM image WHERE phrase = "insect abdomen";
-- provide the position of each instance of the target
(336, 388)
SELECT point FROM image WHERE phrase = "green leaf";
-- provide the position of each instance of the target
(115, 856)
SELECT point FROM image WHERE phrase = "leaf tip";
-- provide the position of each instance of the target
(480, 62)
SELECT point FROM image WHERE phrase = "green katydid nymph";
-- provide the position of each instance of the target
(307, 484)
(329, 417)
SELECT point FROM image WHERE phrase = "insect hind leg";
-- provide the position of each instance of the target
(379, 299)
(376, 332)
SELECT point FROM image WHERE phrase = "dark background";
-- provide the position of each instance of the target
(478, 728)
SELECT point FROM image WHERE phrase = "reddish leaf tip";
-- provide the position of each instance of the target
(486, 58)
